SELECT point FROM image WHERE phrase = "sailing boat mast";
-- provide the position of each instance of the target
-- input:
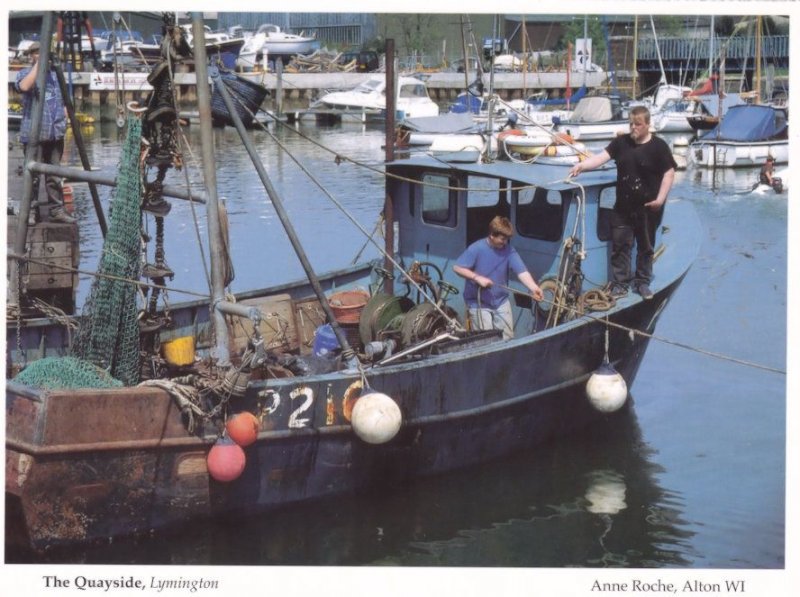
(757, 86)
(658, 52)
(466, 56)
(635, 54)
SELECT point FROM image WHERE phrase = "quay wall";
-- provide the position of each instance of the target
(292, 91)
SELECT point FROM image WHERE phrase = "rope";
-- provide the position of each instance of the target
(102, 275)
(454, 323)
(631, 330)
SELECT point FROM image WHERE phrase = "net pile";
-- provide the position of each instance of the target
(54, 373)
(109, 332)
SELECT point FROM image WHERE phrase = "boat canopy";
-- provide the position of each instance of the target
(751, 123)
(451, 122)
(595, 109)
(561, 101)
(711, 102)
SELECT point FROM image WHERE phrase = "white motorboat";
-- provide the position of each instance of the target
(269, 41)
(673, 117)
(370, 96)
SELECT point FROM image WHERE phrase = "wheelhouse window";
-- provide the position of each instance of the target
(413, 90)
(540, 213)
(439, 200)
(486, 198)
(605, 205)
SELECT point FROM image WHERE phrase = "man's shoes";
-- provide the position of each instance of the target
(644, 291)
(61, 217)
(618, 290)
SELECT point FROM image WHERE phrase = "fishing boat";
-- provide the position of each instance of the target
(595, 118)
(412, 99)
(746, 135)
(347, 380)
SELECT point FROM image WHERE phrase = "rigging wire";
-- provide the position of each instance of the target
(577, 313)
(451, 321)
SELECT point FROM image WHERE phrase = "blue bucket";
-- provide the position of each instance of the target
(324, 340)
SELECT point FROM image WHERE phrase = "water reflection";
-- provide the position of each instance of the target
(592, 501)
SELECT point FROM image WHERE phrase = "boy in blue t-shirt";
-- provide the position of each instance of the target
(485, 266)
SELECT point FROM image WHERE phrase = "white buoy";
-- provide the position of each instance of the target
(376, 418)
(606, 389)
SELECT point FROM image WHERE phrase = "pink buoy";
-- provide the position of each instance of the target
(225, 460)
(242, 428)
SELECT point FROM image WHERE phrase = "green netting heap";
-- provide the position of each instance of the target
(109, 330)
(55, 373)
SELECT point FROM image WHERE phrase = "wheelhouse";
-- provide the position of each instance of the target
(442, 208)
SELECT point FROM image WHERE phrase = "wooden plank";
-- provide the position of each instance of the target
(277, 327)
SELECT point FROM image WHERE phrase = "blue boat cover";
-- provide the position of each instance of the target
(750, 122)
(712, 102)
(467, 103)
(560, 101)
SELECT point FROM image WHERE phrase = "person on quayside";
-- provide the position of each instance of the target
(51, 137)
(645, 173)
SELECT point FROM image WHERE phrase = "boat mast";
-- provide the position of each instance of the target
(388, 204)
(711, 50)
(221, 351)
(658, 52)
(490, 120)
(757, 85)
(635, 53)
(524, 59)
(466, 57)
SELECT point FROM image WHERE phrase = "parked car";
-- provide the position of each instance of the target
(367, 61)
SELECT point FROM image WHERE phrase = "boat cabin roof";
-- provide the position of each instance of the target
(551, 176)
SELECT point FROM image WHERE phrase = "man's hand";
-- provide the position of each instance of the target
(537, 293)
(482, 281)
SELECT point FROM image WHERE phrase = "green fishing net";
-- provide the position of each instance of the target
(53, 373)
(108, 335)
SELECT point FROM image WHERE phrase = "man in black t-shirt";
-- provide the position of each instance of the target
(645, 172)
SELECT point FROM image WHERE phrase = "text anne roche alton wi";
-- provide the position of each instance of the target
(85, 583)
(641, 587)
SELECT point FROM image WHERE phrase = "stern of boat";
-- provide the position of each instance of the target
(90, 464)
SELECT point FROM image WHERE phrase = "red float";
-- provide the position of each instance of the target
(225, 460)
(242, 428)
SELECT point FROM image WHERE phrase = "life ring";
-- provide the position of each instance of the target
(563, 139)
(503, 135)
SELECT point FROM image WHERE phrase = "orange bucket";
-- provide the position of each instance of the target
(348, 304)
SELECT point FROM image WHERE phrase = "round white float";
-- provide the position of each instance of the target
(376, 418)
(606, 389)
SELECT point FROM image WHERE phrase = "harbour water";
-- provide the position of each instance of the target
(694, 477)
